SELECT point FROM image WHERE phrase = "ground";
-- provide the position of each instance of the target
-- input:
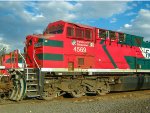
(124, 102)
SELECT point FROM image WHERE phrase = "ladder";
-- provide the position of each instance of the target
(32, 82)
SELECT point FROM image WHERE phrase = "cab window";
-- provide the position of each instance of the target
(79, 33)
(70, 31)
(55, 29)
(88, 34)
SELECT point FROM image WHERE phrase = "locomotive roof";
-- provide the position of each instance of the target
(76, 24)
(91, 27)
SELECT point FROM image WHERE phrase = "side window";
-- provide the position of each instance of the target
(88, 34)
(102, 34)
(138, 41)
(79, 33)
(80, 61)
(121, 37)
(112, 35)
(70, 31)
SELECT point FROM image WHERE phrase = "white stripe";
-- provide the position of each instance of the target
(2, 67)
(145, 52)
(91, 70)
(3, 75)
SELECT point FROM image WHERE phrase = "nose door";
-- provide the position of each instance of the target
(70, 66)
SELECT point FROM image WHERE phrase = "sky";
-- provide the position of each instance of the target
(21, 18)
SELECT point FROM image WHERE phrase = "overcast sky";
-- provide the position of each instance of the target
(19, 19)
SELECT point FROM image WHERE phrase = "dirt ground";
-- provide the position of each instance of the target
(124, 102)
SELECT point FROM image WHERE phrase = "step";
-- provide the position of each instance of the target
(29, 68)
(32, 96)
(31, 79)
(32, 90)
(32, 84)
(30, 73)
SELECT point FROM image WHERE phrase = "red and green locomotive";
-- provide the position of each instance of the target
(79, 59)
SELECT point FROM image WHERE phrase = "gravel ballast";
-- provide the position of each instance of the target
(125, 102)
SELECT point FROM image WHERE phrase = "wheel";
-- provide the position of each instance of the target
(103, 90)
(79, 92)
(100, 92)
(21, 89)
(13, 89)
(17, 92)
(50, 94)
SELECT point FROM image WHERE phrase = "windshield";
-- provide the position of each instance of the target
(55, 29)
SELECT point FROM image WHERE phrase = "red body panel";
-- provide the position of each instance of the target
(94, 53)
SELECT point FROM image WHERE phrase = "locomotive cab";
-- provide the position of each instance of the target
(40, 48)
(61, 45)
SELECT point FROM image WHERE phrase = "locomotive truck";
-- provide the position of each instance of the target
(76, 59)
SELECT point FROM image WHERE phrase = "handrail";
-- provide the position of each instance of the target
(35, 59)
(22, 57)
(2, 51)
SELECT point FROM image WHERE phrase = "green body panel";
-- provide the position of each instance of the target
(128, 40)
(133, 40)
(54, 43)
(102, 41)
(55, 57)
(131, 61)
(139, 63)
(137, 41)
(146, 44)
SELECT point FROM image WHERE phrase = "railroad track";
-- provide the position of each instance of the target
(113, 95)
